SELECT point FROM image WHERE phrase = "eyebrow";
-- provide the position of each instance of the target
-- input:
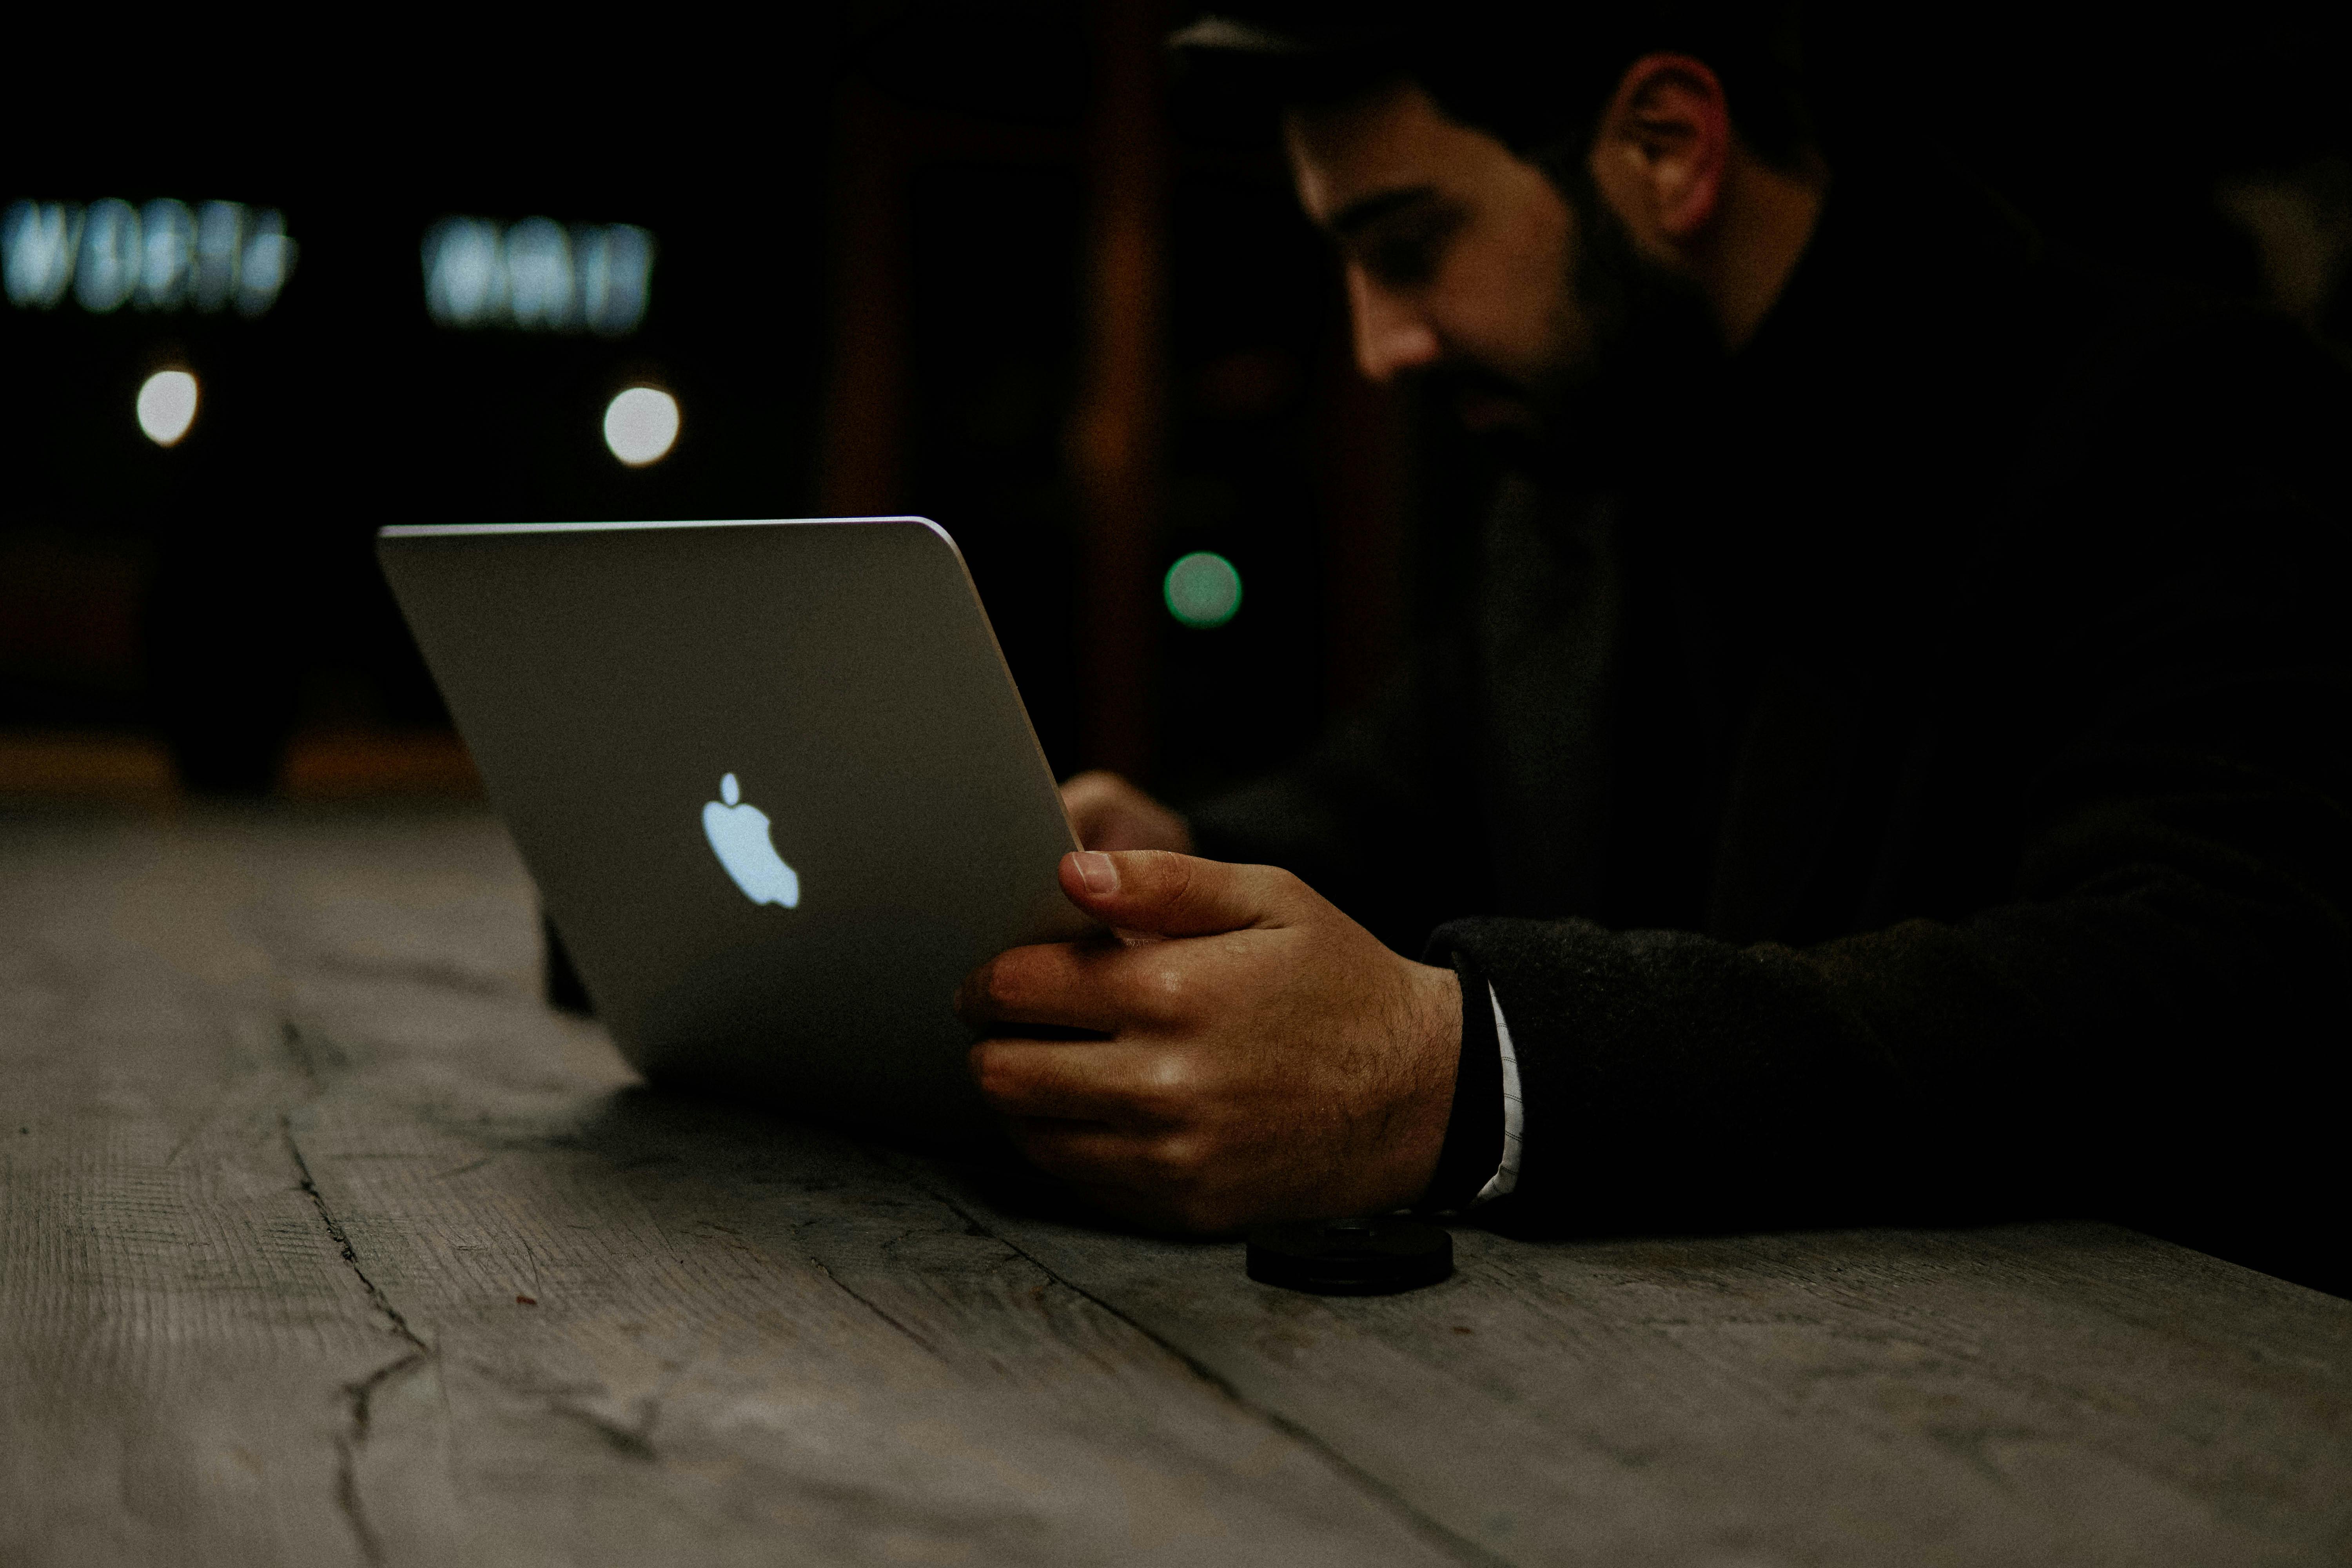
(1365, 211)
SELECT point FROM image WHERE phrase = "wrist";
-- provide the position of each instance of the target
(1432, 1035)
(1476, 1126)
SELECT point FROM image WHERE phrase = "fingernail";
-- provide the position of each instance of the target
(1098, 871)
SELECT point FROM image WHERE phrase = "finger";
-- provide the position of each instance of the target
(1180, 895)
(1111, 1082)
(1091, 799)
(1062, 984)
(1108, 813)
(1150, 1178)
(1094, 788)
(1100, 1155)
(1101, 986)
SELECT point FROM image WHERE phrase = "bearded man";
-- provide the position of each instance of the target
(1892, 762)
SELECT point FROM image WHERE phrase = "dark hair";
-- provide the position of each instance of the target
(1535, 76)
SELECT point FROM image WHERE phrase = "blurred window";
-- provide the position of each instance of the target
(159, 258)
(538, 275)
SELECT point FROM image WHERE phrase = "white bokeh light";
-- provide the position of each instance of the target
(167, 405)
(641, 425)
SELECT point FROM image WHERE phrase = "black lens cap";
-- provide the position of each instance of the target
(1375, 1257)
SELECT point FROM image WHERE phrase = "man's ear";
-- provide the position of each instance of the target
(1661, 151)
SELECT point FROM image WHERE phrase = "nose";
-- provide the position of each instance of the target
(1392, 337)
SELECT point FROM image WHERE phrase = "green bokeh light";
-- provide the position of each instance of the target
(1203, 590)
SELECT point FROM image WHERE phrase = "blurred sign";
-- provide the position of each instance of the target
(164, 256)
(538, 275)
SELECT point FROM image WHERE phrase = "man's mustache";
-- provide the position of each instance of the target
(1453, 381)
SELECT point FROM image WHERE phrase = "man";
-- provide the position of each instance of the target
(1893, 762)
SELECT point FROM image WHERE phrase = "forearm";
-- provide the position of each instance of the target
(2089, 1051)
(1380, 816)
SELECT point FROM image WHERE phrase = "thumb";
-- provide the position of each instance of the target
(1169, 894)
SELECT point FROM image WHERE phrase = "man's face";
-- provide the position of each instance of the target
(1467, 264)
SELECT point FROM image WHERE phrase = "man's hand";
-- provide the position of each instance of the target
(1111, 814)
(1269, 1061)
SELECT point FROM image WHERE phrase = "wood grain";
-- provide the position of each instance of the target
(323, 1241)
(443, 1286)
(2045, 1394)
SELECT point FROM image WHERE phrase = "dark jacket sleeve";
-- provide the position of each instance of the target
(2152, 1025)
(1379, 816)
(2154, 1029)
(1422, 804)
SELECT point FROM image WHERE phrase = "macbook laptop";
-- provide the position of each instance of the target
(773, 781)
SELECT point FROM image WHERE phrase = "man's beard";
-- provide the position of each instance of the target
(1648, 339)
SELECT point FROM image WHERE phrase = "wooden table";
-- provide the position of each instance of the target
(324, 1242)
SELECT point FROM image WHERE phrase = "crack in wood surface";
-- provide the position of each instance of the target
(631, 1442)
(634, 1445)
(347, 1444)
(298, 1052)
(869, 1304)
(359, 1396)
(1459, 1547)
(376, 1297)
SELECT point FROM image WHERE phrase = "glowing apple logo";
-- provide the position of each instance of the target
(738, 835)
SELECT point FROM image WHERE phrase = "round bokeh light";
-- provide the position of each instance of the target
(641, 425)
(1203, 590)
(167, 405)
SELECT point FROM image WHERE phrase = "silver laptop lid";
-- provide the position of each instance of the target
(774, 783)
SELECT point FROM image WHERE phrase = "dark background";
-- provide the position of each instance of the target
(891, 277)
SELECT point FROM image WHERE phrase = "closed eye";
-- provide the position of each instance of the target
(1399, 237)
(1406, 251)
